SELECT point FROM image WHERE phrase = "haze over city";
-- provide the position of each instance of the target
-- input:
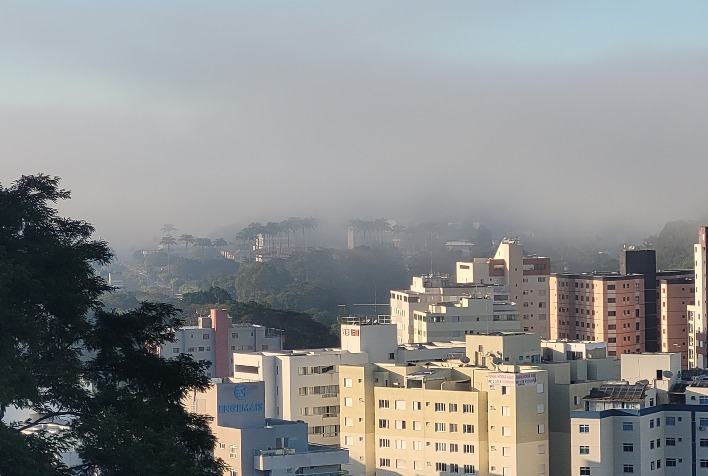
(211, 114)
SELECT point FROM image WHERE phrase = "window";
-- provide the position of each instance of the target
(629, 426)
(400, 424)
(383, 423)
(703, 400)
(417, 426)
(467, 428)
(584, 450)
(440, 446)
(401, 464)
(233, 452)
(672, 442)
(348, 421)
(651, 444)
(440, 427)
(541, 449)
(703, 442)
(384, 462)
(348, 402)
(628, 468)
(453, 428)
(703, 463)
(454, 468)
(703, 422)
(584, 428)
(441, 467)
(401, 444)
(541, 429)
(469, 449)
(670, 462)
(348, 440)
(506, 411)
(418, 445)
(467, 408)
(506, 431)
(651, 423)
(452, 407)
(468, 468)
(539, 388)
(348, 383)
(540, 408)
(417, 406)
(670, 421)
(584, 470)
(439, 407)
(399, 404)
(383, 403)
(205, 336)
(454, 448)
(384, 443)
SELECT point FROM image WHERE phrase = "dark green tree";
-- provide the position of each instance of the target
(62, 355)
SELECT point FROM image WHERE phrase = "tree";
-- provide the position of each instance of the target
(168, 241)
(220, 243)
(62, 355)
(187, 239)
(168, 228)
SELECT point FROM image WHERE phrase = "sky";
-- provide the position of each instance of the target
(206, 114)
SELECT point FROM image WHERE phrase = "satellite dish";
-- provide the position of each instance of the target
(464, 359)
(667, 373)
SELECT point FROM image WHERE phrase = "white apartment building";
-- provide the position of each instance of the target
(215, 338)
(424, 291)
(473, 314)
(251, 444)
(526, 278)
(304, 384)
(653, 422)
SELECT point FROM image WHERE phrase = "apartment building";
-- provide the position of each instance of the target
(480, 312)
(653, 422)
(251, 444)
(432, 420)
(698, 312)
(424, 291)
(675, 295)
(526, 277)
(605, 307)
(215, 338)
(497, 410)
(304, 384)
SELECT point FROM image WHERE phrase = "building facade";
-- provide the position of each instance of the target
(526, 277)
(697, 313)
(605, 307)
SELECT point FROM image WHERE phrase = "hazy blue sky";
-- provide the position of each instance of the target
(208, 113)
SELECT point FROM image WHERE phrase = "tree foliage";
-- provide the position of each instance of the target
(62, 354)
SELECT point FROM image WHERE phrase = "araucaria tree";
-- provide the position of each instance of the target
(63, 355)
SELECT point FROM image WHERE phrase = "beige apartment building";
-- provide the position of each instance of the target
(698, 312)
(526, 277)
(605, 307)
(412, 420)
(675, 295)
